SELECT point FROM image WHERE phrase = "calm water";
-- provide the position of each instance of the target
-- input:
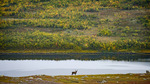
(17, 68)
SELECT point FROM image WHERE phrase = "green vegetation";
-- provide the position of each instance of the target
(80, 79)
(43, 40)
(75, 25)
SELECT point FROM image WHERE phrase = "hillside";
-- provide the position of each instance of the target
(74, 25)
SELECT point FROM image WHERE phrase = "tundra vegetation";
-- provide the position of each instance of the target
(80, 79)
(77, 25)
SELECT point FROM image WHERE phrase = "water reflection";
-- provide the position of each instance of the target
(77, 56)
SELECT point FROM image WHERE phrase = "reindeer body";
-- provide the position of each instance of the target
(75, 72)
(147, 72)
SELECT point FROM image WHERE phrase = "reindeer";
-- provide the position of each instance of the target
(147, 72)
(75, 72)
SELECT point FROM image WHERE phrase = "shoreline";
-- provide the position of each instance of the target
(77, 75)
(130, 78)
(73, 52)
(77, 53)
(101, 53)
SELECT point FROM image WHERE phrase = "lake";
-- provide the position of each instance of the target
(24, 64)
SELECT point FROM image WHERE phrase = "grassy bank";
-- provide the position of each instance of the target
(71, 51)
(48, 51)
(80, 79)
